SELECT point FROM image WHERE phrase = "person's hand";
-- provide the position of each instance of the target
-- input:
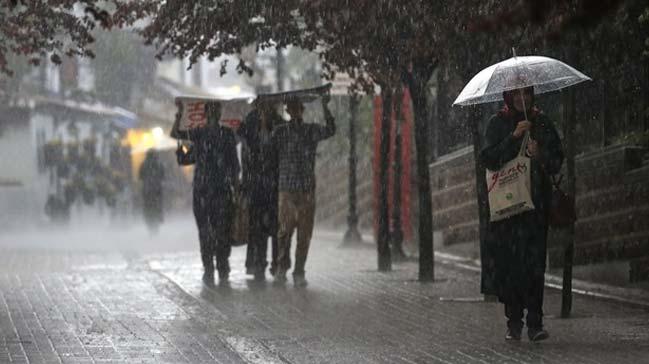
(532, 148)
(182, 150)
(521, 128)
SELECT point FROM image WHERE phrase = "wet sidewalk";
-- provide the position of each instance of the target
(127, 308)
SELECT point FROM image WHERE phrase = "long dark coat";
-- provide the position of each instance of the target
(259, 184)
(520, 242)
(215, 174)
(260, 171)
(217, 165)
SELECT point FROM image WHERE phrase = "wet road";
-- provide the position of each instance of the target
(117, 296)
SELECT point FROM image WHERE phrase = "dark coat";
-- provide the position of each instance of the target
(217, 166)
(519, 243)
(215, 174)
(259, 162)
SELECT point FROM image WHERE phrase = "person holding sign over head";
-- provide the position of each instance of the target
(521, 131)
(215, 181)
(295, 144)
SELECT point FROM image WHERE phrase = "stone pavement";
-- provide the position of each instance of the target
(130, 306)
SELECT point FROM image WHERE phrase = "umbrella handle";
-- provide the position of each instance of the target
(521, 90)
(526, 139)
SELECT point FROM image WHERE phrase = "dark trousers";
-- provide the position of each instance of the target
(530, 299)
(213, 211)
(263, 225)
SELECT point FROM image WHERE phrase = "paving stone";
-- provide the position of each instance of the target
(153, 308)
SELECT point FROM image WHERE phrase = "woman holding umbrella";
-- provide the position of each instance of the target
(517, 244)
(520, 241)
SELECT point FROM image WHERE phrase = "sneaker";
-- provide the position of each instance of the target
(513, 334)
(299, 281)
(537, 334)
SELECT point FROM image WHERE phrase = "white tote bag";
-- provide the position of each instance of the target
(509, 188)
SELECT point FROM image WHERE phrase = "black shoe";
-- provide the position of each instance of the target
(208, 278)
(537, 334)
(513, 334)
(224, 275)
(299, 281)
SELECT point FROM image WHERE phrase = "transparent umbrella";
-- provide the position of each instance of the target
(545, 74)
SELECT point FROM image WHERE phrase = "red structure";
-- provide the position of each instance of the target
(406, 155)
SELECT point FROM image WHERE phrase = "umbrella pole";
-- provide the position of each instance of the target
(520, 89)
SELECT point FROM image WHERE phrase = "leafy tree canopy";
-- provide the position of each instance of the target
(372, 40)
(39, 28)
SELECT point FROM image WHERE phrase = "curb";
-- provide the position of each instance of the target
(637, 298)
(630, 297)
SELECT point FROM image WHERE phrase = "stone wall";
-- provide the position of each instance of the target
(612, 206)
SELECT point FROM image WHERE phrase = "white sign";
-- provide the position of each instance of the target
(192, 112)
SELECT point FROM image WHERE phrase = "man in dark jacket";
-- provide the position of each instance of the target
(259, 185)
(295, 145)
(215, 179)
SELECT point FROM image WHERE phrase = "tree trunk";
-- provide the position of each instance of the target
(383, 243)
(352, 236)
(397, 232)
(569, 142)
(280, 69)
(487, 259)
(416, 81)
(570, 125)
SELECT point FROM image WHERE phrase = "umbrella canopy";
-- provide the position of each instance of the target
(543, 73)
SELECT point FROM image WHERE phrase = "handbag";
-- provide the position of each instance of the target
(562, 211)
(509, 188)
(185, 155)
(241, 221)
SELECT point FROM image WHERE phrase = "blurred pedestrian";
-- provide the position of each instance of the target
(151, 175)
(295, 145)
(519, 241)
